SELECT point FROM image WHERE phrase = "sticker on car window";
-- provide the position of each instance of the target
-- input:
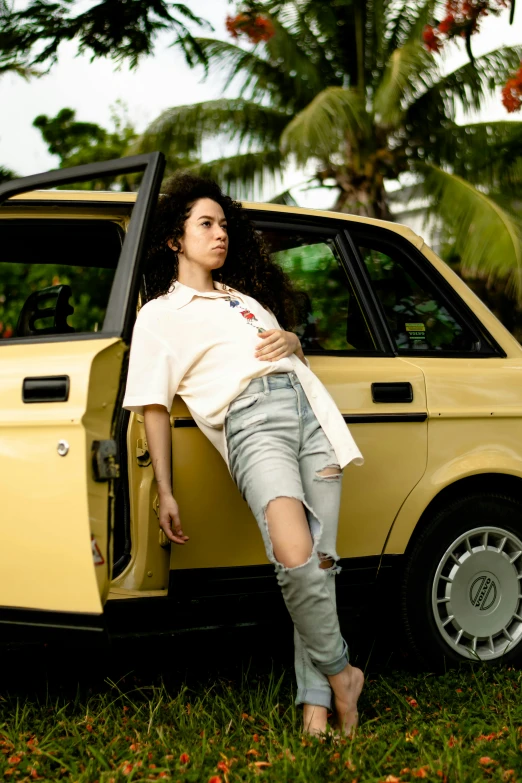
(97, 556)
(416, 332)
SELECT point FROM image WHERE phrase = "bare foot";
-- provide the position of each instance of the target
(347, 686)
(314, 719)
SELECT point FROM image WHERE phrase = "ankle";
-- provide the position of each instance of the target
(314, 718)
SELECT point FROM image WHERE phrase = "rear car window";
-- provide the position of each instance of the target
(419, 316)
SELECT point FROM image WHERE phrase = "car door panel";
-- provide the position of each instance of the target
(56, 459)
(51, 504)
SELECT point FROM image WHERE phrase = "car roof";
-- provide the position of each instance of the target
(111, 197)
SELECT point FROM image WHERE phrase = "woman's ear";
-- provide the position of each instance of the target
(173, 246)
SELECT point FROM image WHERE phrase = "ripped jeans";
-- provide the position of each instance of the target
(277, 448)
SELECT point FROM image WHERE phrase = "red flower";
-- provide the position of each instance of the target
(184, 758)
(512, 92)
(256, 27)
(215, 779)
(462, 17)
(431, 41)
(446, 25)
(223, 767)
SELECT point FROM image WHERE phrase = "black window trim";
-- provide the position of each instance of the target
(434, 279)
(336, 229)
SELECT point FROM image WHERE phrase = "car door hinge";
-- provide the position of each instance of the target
(105, 463)
(142, 453)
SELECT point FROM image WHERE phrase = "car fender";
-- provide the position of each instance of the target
(485, 459)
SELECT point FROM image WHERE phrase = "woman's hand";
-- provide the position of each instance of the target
(169, 519)
(277, 344)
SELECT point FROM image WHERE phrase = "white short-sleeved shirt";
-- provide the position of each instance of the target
(201, 345)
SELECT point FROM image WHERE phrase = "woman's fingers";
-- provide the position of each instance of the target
(171, 525)
(276, 349)
(178, 532)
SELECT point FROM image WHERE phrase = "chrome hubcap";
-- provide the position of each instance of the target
(477, 593)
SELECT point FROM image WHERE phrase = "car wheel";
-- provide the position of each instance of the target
(462, 583)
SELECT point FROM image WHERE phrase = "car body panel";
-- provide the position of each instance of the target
(474, 427)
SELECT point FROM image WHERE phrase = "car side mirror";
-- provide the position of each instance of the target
(51, 302)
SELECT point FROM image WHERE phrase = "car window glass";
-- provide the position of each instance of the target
(418, 316)
(332, 318)
(56, 275)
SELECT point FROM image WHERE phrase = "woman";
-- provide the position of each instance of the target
(210, 332)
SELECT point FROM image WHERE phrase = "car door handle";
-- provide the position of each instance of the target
(392, 392)
(51, 388)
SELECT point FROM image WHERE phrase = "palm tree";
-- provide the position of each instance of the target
(350, 88)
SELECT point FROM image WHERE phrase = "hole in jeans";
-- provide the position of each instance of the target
(330, 473)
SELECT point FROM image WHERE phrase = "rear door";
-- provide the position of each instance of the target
(68, 286)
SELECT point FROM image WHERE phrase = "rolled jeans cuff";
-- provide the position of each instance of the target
(314, 696)
(336, 666)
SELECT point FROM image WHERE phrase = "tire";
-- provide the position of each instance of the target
(461, 593)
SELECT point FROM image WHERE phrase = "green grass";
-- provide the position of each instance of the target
(463, 726)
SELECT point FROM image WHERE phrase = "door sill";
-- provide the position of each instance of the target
(119, 593)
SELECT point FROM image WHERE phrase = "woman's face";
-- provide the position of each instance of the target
(205, 240)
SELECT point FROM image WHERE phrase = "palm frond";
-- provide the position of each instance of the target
(484, 153)
(334, 116)
(243, 176)
(487, 236)
(304, 56)
(181, 129)
(263, 78)
(400, 82)
(405, 21)
(467, 86)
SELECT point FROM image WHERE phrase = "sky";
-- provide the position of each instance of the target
(160, 81)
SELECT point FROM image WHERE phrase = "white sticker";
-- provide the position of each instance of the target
(96, 553)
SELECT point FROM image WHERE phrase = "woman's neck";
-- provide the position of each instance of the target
(197, 279)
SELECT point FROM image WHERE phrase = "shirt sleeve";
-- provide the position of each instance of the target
(153, 376)
(276, 325)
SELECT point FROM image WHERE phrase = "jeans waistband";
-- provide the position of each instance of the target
(276, 380)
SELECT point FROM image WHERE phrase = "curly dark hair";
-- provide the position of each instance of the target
(248, 266)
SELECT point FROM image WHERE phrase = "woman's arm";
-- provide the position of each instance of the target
(157, 430)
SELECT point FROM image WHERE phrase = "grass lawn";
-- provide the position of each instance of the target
(238, 723)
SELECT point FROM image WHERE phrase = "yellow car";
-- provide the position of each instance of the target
(426, 377)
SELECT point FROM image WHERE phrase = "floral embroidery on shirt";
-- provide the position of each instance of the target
(247, 315)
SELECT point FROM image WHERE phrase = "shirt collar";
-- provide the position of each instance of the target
(182, 294)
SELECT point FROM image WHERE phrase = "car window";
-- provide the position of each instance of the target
(419, 316)
(331, 315)
(56, 275)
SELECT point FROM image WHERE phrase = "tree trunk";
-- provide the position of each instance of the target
(361, 196)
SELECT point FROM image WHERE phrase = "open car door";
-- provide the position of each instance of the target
(61, 383)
